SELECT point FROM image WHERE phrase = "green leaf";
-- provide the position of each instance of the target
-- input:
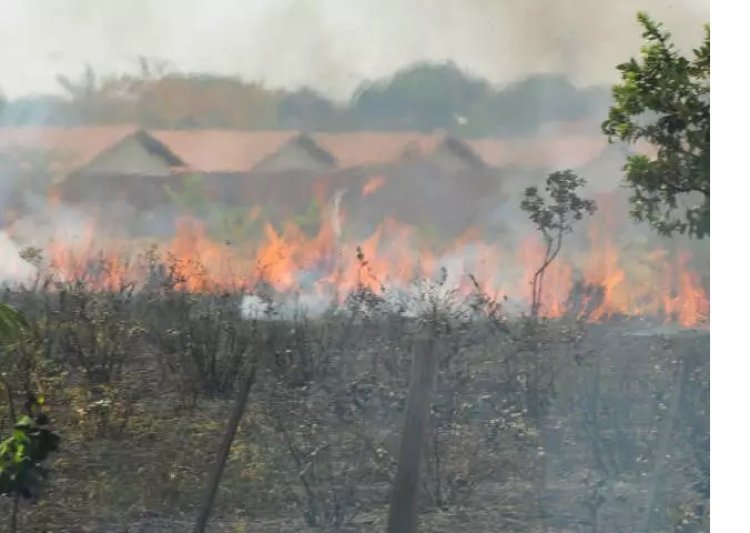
(12, 325)
(664, 100)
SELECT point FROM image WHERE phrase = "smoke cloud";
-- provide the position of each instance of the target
(331, 45)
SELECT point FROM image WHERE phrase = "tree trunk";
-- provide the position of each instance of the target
(226, 446)
(402, 516)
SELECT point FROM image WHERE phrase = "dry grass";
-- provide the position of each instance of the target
(534, 425)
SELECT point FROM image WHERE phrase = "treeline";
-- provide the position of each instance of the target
(422, 97)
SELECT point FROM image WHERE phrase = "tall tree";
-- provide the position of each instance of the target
(306, 110)
(422, 97)
(664, 100)
(109, 99)
(522, 107)
(207, 101)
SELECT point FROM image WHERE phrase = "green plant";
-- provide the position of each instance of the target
(23, 453)
(554, 217)
(12, 324)
(665, 100)
(21, 460)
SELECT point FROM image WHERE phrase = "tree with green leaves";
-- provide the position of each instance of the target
(554, 217)
(664, 100)
(522, 107)
(424, 96)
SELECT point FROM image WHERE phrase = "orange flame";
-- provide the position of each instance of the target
(372, 185)
(656, 284)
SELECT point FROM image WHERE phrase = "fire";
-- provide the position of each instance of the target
(687, 303)
(200, 259)
(654, 283)
(603, 269)
(372, 185)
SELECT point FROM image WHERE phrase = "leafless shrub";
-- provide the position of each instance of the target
(201, 339)
(533, 422)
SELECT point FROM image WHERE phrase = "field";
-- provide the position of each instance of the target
(175, 237)
(536, 425)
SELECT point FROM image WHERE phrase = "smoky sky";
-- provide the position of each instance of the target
(329, 45)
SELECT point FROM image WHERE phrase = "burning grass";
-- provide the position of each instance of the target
(594, 280)
(138, 348)
(532, 420)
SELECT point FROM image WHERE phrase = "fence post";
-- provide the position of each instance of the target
(402, 515)
(221, 458)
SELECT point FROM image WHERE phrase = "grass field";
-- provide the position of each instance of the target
(535, 425)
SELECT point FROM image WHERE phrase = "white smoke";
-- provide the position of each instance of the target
(336, 212)
(13, 269)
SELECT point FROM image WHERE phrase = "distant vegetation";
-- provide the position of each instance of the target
(422, 97)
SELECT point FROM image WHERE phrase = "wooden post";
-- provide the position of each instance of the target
(402, 515)
(221, 458)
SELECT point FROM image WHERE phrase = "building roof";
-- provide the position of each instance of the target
(142, 141)
(223, 150)
(72, 148)
(369, 148)
(231, 151)
(305, 154)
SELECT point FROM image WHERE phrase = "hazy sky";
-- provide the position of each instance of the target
(330, 45)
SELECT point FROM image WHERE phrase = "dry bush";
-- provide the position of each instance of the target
(534, 423)
(201, 341)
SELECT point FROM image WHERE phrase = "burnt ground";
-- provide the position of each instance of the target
(550, 426)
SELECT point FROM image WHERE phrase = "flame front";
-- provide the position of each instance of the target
(372, 185)
(654, 282)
